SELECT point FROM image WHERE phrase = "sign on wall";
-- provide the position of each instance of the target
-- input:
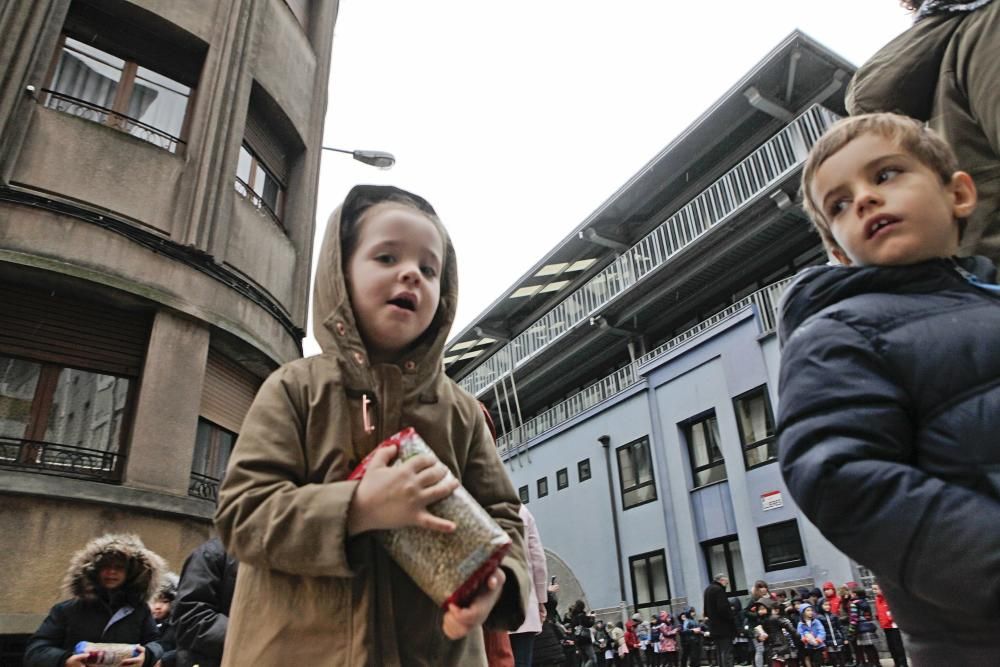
(771, 500)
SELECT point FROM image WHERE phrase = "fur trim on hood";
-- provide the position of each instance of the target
(144, 570)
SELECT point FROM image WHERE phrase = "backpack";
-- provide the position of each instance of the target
(654, 633)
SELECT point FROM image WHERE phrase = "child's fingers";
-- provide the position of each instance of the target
(431, 475)
(427, 520)
(383, 456)
(420, 462)
(440, 489)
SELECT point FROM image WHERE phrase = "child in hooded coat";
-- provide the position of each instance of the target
(835, 639)
(668, 639)
(314, 587)
(812, 636)
(110, 582)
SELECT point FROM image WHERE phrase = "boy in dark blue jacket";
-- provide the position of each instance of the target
(110, 582)
(890, 383)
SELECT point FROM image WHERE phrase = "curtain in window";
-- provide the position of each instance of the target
(87, 74)
(755, 422)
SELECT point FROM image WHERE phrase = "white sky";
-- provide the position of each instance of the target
(517, 119)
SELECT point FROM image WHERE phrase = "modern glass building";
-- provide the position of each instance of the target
(632, 372)
(158, 173)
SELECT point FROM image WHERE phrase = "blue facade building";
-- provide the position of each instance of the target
(632, 372)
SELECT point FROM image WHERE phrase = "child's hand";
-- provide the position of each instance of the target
(137, 660)
(459, 621)
(76, 660)
(398, 496)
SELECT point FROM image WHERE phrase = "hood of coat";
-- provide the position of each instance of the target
(803, 607)
(818, 287)
(144, 569)
(334, 325)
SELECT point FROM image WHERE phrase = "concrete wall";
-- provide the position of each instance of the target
(259, 249)
(195, 16)
(285, 65)
(56, 243)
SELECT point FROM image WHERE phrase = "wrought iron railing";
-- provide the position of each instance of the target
(84, 109)
(764, 301)
(751, 179)
(64, 460)
(203, 486)
(244, 190)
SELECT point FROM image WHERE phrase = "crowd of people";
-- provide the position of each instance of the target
(800, 627)
(121, 592)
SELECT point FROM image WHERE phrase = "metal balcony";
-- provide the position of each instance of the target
(752, 179)
(764, 301)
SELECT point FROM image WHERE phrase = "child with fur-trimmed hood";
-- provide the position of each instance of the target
(110, 582)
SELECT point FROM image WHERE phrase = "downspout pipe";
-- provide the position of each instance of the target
(605, 441)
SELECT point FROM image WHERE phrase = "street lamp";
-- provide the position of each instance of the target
(379, 159)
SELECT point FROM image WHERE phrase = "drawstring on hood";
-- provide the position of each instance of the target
(334, 325)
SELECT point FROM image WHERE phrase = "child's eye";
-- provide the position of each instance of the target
(837, 207)
(887, 174)
(428, 271)
(385, 258)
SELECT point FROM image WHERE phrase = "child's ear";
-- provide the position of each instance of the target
(964, 196)
(837, 256)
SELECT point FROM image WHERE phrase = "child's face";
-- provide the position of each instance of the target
(887, 208)
(808, 614)
(112, 574)
(394, 278)
(160, 608)
(826, 607)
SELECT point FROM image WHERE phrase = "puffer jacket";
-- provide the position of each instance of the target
(888, 419)
(201, 610)
(93, 614)
(944, 70)
(307, 592)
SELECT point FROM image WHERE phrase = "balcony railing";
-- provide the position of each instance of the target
(749, 180)
(765, 302)
(203, 486)
(244, 190)
(84, 109)
(63, 460)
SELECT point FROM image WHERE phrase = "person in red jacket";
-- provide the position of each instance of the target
(893, 638)
(830, 593)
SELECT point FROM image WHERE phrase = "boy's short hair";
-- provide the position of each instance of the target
(911, 135)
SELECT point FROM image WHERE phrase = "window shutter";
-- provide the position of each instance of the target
(228, 391)
(59, 327)
(266, 145)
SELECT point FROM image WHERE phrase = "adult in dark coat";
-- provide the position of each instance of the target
(888, 422)
(110, 581)
(944, 70)
(548, 650)
(201, 610)
(720, 618)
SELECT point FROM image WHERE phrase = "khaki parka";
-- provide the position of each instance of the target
(307, 593)
(945, 70)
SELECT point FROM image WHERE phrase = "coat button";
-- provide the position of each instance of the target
(360, 358)
(341, 329)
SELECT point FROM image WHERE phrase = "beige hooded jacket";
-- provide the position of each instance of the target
(307, 593)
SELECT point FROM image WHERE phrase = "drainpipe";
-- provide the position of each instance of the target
(605, 441)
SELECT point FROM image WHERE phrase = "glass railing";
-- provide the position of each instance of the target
(749, 180)
(764, 301)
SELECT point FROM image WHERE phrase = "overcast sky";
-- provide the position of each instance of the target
(518, 119)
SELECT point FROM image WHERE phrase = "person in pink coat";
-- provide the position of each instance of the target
(522, 640)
